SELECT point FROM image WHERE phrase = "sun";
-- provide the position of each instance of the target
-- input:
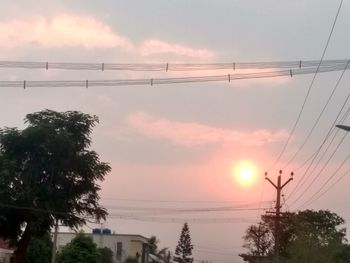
(245, 173)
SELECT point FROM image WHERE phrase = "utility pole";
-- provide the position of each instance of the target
(54, 245)
(277, 214)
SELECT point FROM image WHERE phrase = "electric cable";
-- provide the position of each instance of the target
(319, 173)
(313, 157)
(166, 67)
(319, 117)
(160, 81)
(308, 91)
(327, 181)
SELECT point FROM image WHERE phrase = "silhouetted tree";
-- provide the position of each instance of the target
(48, 173)
(307, 236)
(39, 250)
(183, 251)
(164, 254)
(81, 249)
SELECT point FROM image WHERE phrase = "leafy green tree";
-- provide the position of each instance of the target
(307, 236)
(183, 251)
(40, 248)
(48, 173)
(130, 259)
(317, 237)
(81, 249)
(106, 255)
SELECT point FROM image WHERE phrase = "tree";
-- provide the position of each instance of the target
(153, 245)
(106, 255)
(40, 248)
(130, 259)
(317, 237)
(307, 236)
(164, 254)
(48, 173)
(259, 242)
(183, 251)
(81, 249)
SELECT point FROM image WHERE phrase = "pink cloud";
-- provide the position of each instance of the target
(192, 133)
(151, 47)
(63, 30)
(88, 32)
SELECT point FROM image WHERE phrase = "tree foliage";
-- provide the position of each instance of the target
(164, 254)
(307, 236)
(258, 240)
(106, 255)
(39, 250)
(183, 251)
(48, 173)
(130, 259)
(81, 249)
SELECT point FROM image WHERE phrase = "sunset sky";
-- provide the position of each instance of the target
(178, 146)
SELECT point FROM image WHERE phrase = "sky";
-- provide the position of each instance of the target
(177, 146)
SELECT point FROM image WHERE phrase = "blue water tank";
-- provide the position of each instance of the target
(96, 231)
(106, 231)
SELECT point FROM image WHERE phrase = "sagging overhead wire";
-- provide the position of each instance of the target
(315, 198)
(316, 153)
(311, 199)
(162, 81)
(308, 91)
(319, 117)
(330, 130)
(320, 172)
(165, 67)
(183, 220)
(199, 220)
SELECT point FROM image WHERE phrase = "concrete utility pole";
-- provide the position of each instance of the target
(54, 245)
(277, 215)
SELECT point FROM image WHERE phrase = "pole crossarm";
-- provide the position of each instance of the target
(277, 215)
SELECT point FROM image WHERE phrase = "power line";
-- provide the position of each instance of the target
(317, 153)
(181, 201)
(140, 218)
(165, 67)
(185, 210)
(309, 90)
(329, 188)
(319, 173)
(205, 251)
(162, 81)
(319, 117)
(326, 182)
(183, 220)
(313, 157)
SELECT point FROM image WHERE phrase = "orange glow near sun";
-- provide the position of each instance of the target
(245, 173)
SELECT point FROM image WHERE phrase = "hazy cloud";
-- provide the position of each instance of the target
(60, 31)
(193, 133)
(151, 47)
(88, 32)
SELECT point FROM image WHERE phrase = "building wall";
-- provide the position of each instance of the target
(130, 245)
(5, 255)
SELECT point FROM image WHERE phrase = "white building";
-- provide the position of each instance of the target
(122, 245)
(6, 252)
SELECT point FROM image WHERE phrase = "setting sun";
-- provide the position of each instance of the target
(245, 173)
